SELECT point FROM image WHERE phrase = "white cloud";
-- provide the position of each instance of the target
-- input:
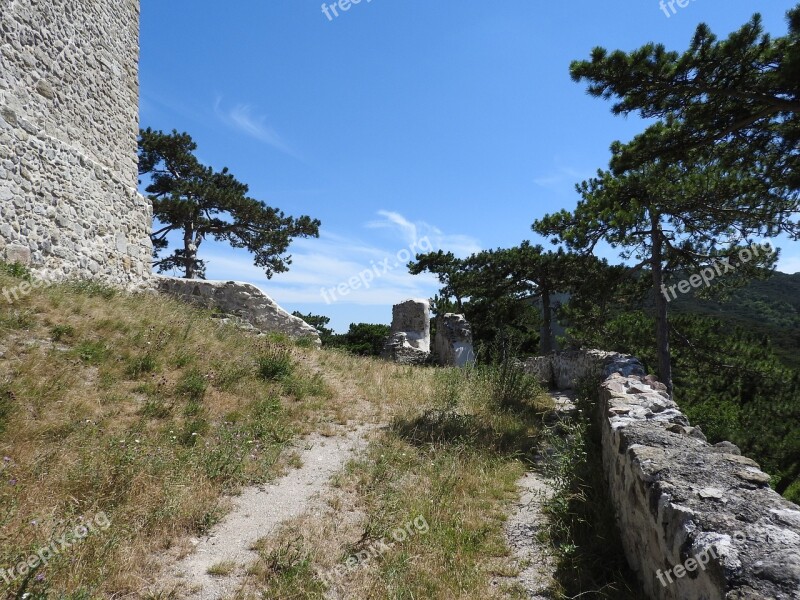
(334, 260)
(241, 117)
(460, 245)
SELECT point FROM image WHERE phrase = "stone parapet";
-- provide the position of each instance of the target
(697, 521)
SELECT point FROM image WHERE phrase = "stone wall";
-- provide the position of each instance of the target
(69, 104)
(241, 300)
(697, 521)
(564, 370)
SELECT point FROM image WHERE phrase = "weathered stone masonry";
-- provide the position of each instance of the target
(698, 522)
(69, 94)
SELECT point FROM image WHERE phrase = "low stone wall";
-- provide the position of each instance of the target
(240, 299)
(564, 370)
(697, 521)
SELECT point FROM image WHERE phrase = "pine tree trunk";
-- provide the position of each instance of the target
(189, 252)
(662, 319)
(546, 341)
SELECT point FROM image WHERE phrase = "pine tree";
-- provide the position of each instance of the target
(200, 202)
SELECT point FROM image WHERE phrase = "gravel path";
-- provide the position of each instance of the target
(528, 520)
(259, 511)
(522, 530)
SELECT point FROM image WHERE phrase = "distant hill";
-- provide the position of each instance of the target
(768, 307)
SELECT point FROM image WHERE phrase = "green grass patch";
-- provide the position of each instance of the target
(581, 520)
(275, 363)
(192, 385)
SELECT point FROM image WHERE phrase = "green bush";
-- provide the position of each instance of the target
(17, 270)
(60, 332)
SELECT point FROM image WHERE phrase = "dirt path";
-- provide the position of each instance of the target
(260, 511)
(522, 531)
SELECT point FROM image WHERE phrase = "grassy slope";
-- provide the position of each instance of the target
(149, 411)
(140, 408)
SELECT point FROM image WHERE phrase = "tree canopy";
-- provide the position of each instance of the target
(502, 290)
(200, 202)
(739, 96)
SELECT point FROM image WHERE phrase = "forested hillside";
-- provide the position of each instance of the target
(764, 308)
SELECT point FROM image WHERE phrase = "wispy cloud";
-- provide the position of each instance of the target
(561, 179)
(243, 118)
(324, 263)
(460, 245)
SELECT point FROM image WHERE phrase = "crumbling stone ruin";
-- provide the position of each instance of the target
(410, 341)
(69, 119)
(453, 341)
(240, 300)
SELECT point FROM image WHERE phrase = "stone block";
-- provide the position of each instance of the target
(453, 342)
(410, 342)
(18, 254)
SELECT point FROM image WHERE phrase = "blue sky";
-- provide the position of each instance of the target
(453, 124)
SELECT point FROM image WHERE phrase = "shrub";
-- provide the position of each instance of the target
(60, 332)
(17, 270)
(275, 363)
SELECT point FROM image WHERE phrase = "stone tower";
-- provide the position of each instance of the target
(69, 118)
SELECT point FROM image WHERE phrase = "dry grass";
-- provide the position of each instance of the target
(451, 457)
(152, 412)
(139, 407)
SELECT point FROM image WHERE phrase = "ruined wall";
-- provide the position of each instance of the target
(697, 521)
(453, 341)
(410, 341)
(241, 300)
(69, 98)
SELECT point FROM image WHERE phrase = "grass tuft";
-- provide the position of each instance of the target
(275, 363)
